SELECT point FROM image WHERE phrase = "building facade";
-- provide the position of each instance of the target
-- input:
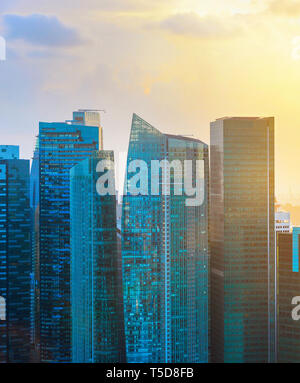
(15, 257)
(35, 260)
(61, 146)
(288, 288)
(165, 251)
(282, 222)
(97, 302)
(242, 240)
(9, 152)
(89, 118)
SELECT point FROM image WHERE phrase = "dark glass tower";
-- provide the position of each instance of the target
(288, 283)
(61, 146)
(242, 240)
(165, 253)
(35, 262)
(15, 257)
(97, 302)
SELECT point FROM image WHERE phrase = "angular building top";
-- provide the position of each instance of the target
(165, 253)
(184, 138)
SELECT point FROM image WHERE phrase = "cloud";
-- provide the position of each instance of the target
(202, 27)
(119, 5)
(6, 4)
(289, 8)
(40, 30)
(136, 5)
(51, 6)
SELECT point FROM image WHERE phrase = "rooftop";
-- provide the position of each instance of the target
(185, 138)
(241, 118)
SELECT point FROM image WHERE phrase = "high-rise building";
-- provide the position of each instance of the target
(15, 257)
(288, 287)
(282, 222)
(165, 249)
(89, 117)
(97, 301)
(60, 147)
(35, 260)
(282, 225)
(242, 240)
(9, 152)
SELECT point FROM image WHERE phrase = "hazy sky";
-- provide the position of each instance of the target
(179, 64)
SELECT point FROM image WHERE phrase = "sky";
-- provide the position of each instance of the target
(179, 64)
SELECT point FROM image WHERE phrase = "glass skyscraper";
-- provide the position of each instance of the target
(288, 287)
(97, 302)
(242, 240)
(15, 257)
(89, 118)
(35, 261)
(60, 147)
(165, 253)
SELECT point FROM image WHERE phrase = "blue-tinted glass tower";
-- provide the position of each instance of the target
(61, 146)
(35, 264)
(9, 152)
(15, 257)
(165, 253)
(288, 287)
(97, 304)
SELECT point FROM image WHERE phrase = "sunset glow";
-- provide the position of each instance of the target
(181, 63)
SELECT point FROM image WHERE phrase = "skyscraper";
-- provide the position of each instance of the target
(9, 152)
(15, 257)
(242, 240)
(89, 117)
(97, 301)
(288, 288)
(282, 222)
(165, 250)
(35, 259)
(61, 146)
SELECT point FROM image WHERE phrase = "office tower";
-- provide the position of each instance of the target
(15, 257)
(89, 117)
(9, 152)
(165, 250)
(282, 222)
(242, 240)
(288, 287)
(61, 146)
(282, 225)
(35, 260)
(97, 305)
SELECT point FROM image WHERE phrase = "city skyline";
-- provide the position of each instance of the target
(167, 272)
(159, 223)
